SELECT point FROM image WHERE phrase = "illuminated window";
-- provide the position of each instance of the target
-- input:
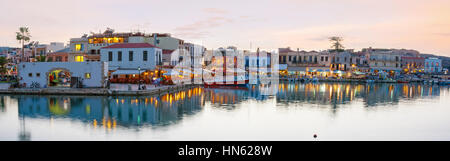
(78, 47)
(87, 75)
(79, 58)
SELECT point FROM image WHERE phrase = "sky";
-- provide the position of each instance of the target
(423, 25)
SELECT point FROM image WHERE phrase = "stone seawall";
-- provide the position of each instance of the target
(97, 91)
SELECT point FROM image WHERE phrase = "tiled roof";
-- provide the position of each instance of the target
(167, 51)
(130, 45)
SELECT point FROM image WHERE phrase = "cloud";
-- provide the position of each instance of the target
(199, 28)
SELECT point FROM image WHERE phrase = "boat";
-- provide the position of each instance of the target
(444, 82)
(402, 81)
(370, 81)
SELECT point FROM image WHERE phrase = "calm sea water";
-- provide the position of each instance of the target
(333, 111)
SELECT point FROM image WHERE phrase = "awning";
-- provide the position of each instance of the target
(282, 66)
(126, 71)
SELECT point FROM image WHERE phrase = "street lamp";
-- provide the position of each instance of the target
(139, 84)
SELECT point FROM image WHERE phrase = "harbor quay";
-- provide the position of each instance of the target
(98, 91)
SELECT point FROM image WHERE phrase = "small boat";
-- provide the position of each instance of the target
(315, 80)
(402, 81)
(444, 82)
(370, 81)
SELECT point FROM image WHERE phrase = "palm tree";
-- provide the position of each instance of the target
(23, 36)
(336, 43)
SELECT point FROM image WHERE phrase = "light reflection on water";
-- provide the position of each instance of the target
(293, 113)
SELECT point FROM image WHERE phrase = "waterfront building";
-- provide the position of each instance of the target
(412, 64)
(341, 61)
(87, 48)
(226, 66)
(433, 65)
(62, 74)
(384, 60)
(305, 62)
(127, 60)
(283, 54)
(359, 62)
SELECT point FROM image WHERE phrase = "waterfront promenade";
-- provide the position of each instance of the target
(97, 91)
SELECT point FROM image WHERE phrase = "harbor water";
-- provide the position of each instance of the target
(295, 111)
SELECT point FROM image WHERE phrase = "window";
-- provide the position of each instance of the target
(78, 47)
(79, 58)
(87, 75)
(30, 74)
(110, 56)
(119, 56)
(145, 56)
(290, 58)
(130, 56)
(326, 58)
(38, 74)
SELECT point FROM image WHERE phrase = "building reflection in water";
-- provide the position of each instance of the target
(335, 94)
(110, 112)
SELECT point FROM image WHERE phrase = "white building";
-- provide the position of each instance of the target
(62, 74)
(131, 56)
(55, 46)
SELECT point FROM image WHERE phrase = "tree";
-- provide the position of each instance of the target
(23, 36)
(336, 43)
(41, 58)
(3, 62)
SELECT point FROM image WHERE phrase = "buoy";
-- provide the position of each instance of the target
(315, 135)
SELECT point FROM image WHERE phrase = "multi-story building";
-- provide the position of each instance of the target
(87, 48)
(131, 56)
(129, 62)
(412, 64)
(433, 65)
(384, 59)
(341, 61)
(283, 54)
